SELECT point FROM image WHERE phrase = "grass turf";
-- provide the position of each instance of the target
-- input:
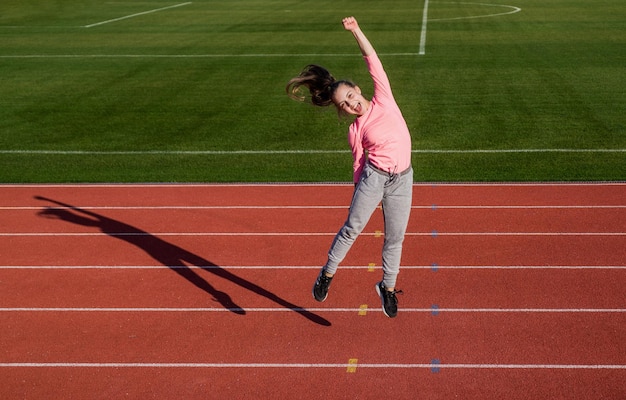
(195, 92)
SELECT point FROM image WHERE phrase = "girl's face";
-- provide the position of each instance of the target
(349, 100)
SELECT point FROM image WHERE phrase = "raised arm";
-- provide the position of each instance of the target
(350, 24)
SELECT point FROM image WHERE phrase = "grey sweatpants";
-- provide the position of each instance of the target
(395, 192)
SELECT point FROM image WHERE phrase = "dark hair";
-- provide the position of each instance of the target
(319, 81)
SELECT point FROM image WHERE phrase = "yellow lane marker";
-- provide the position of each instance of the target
(363, 309)
(370, 267)
(378, 234)
(352, 365)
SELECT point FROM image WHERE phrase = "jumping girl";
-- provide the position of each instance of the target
(381, 148)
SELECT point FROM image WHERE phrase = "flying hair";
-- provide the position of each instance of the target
(319, 82)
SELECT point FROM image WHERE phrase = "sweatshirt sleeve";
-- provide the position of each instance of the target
(382, 86)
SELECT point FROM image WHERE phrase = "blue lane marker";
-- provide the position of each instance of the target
(433, 233)
(435, 362)
(434, 310)
(434, 267)
(434, 206)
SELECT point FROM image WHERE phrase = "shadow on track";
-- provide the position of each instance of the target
(170, 255)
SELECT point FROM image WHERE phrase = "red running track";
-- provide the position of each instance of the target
(203, 291)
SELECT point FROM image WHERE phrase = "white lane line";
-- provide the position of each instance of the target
(488, 207)
(307, 365)
(250, 207)
(136, 15)
(289, 234)
(313, 267)
(436, 233)
(299, 309)
(188, 207)
(431, 207)
(122, 234)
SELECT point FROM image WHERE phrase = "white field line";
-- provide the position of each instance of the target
(312, 267)
(431, 366)
(309, 151)
(513, 11)
(299, 309)
(422, 48)
(252, 55)
(136, 15)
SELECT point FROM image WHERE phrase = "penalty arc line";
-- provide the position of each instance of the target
(422, 47)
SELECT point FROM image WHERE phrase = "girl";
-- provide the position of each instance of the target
(381, 148)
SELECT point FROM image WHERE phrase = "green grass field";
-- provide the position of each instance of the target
(167, 91)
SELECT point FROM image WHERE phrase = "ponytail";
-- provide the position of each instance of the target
(320, 83)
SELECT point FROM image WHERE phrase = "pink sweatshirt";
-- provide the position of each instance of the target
(381, 134)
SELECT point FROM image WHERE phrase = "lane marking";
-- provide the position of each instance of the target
(136, 15)
(303, 207)
(177, 207)
(352, 365)
(432, 267)
(435, 366)
(530, 207)
(306, 365)
(437, 234)
(270, 234)
(434, 310)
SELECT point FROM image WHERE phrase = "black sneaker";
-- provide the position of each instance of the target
(320, 289)
(388, 299)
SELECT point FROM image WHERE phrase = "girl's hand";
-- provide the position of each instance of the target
(350, 24)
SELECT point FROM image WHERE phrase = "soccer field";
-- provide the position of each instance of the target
(173, 91)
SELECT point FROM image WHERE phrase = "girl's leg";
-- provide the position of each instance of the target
(367, 196)
(396, 210)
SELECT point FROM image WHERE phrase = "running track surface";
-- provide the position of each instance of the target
(204, 291)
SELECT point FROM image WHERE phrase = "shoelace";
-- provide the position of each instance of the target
(391, 295)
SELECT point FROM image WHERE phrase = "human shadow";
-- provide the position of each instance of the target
(171, 256)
